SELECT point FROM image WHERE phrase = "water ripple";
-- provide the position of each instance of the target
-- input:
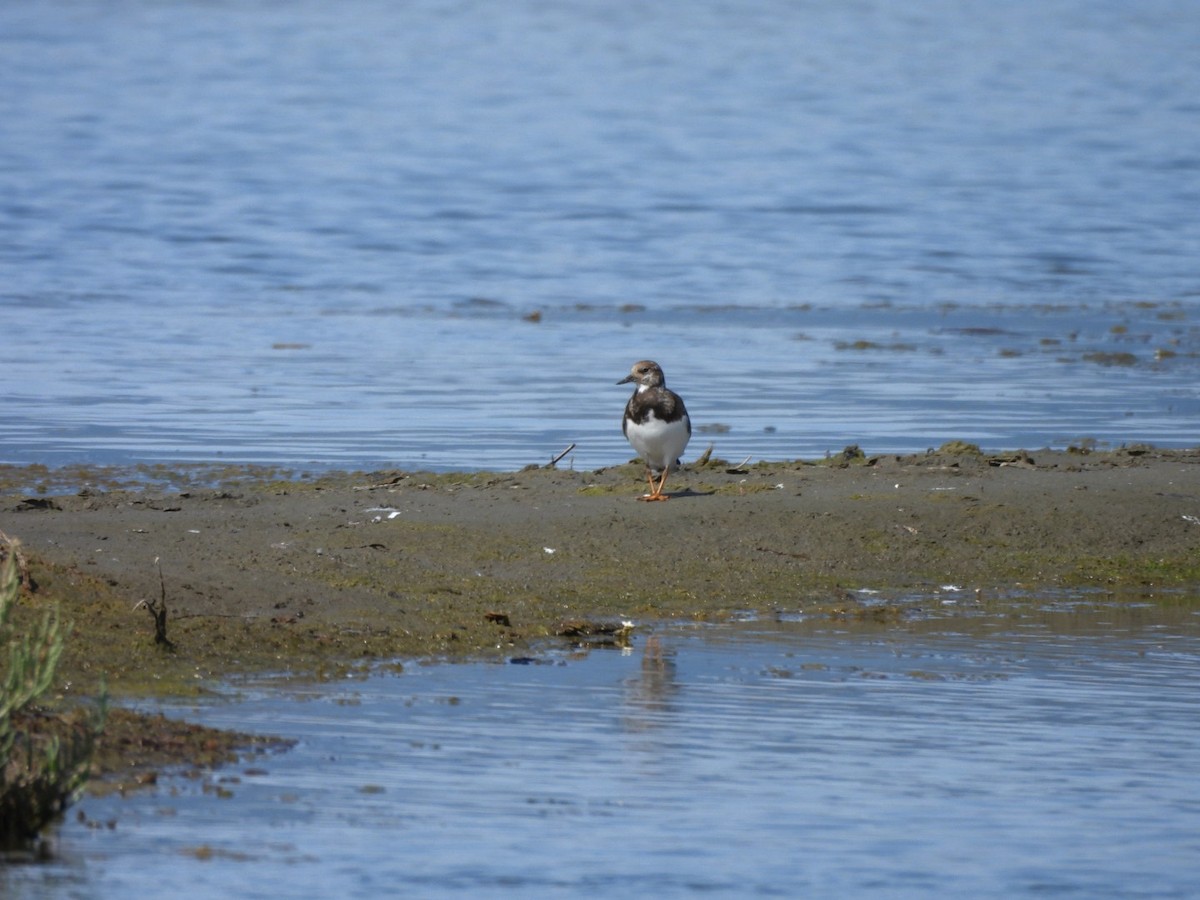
(700, 186)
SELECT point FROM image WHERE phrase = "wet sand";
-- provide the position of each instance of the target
(323, 576)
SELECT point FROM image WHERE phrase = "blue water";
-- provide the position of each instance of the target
(312, 233)
(1018, 752)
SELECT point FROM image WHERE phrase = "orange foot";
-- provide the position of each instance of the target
(655, 489)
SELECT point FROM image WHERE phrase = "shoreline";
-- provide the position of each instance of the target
(264, 574)
(332, 576)
(58, 479)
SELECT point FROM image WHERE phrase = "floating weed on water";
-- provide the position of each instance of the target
(1111, 359)
(217, 790)
(860, 345)
(208, 853)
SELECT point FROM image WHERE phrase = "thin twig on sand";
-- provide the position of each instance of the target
(158, 610)
(554, 462)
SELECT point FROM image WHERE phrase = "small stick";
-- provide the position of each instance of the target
(158, 611)
(554, 461)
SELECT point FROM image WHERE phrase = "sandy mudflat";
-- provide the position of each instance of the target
(316, 575)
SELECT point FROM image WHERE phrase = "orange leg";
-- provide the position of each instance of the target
(656, 489)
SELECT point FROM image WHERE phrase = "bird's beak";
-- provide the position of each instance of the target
(628, 378)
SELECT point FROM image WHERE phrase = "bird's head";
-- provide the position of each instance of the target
(645, 374)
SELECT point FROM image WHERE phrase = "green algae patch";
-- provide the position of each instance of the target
(116, 641)
(1179, 572)
(960, 448)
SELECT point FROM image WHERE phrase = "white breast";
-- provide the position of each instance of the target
(659, 443)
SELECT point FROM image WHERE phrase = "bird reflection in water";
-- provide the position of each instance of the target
(650, 694)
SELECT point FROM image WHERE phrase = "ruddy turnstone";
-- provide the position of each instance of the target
(656, 424)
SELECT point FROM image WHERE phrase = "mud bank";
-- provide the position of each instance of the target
(323, 576)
